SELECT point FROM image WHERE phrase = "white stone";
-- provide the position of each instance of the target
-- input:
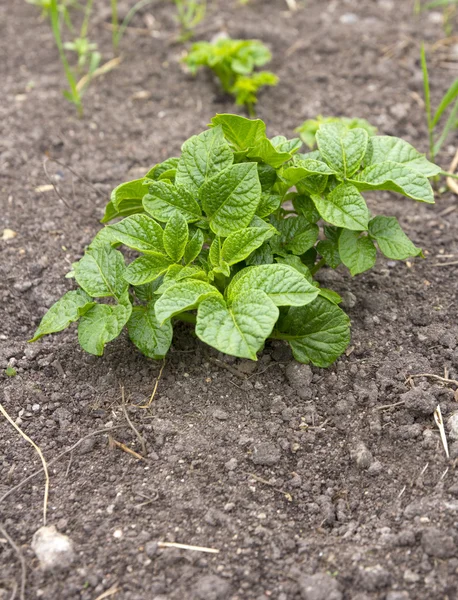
(54, 550)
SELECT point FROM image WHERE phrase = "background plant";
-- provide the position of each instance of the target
(234, 62)
(215, 238)
(189, 13)
(436, 136)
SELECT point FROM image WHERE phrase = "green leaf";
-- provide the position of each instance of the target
(343, 149)
(164, 199)
(139, 232)
(145, 331)
(240, 244)
(176, 273)
(239, 329)
(100, 272)
(100, 325)
(284, 285)
(395, 177)
(267, 177)
(329, 250)
(176, 235)
(203, 156)
(268, 204)
(447, 99)
(282, 144)
(297, 235)
(183, 296)
(318, 333)
(357, 253)
(343, 207)
(304, 168)
(147, 268)
(103, 237)
(193, 247)
(131, 190)
(384, 148)
(250, 136)
(214, 256)
(330, 295)
(230, 199)
(262, 256)
(160, 169)
(125, 208)
(303, 205)
(66, 310)
(391, 240)
(296, 263)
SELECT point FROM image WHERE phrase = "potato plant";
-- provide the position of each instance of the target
(230, 235)
(234, 63)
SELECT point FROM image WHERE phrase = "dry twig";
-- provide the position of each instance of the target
(187, 547)
(443, 379)
(155, 388)
(132, 426)
(40, 454)
(107, 593)
(55, 459)
(112, 442)
(440, 424)
(21, 560)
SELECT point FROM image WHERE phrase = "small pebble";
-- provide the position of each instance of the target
(54, 550)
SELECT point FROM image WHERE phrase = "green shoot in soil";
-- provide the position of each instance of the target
(233, 62)
(119, 30)
(437, 138)
(219, 251)
(10, 371)
(189, 14)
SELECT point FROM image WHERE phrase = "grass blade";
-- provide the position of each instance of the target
(427, 94)
(448, 98)
(450, 124)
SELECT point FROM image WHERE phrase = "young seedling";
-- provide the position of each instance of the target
(307, 131)
(450, 98)
(118, 30)
(189, 14)
(233, 62)
(448, 14)
(219, 251)
(88, 61)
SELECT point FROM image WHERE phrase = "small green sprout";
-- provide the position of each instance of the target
(10, 371)
(450, 98)
(189, 14)
(218, 250)
(234, 62)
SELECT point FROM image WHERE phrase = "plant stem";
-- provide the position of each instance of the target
(115, 24)
(316, 267)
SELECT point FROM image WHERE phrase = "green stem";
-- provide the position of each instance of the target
(87, 14)
(115, 24)
(316, 267)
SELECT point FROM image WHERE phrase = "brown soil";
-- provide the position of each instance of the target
(266, 465)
